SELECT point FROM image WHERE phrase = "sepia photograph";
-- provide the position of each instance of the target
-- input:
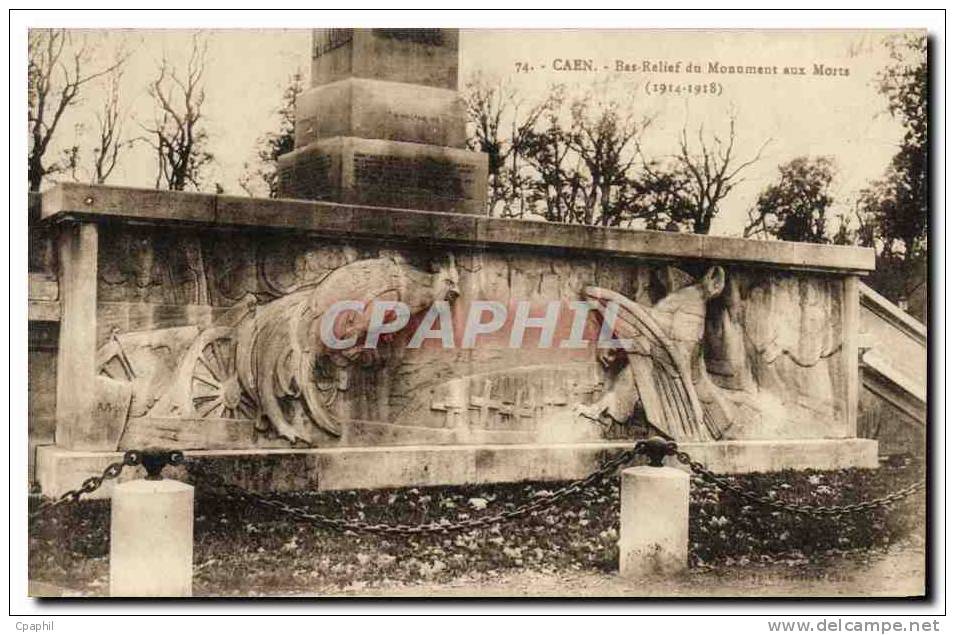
(415, 313)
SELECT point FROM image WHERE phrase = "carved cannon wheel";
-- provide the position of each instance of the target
(216, 391)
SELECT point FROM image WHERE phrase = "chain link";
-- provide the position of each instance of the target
(650, 448)
(668, 448)
(810, 510)
(442, 526)
(90, 485)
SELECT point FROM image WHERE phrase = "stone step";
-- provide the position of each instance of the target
(893, 360)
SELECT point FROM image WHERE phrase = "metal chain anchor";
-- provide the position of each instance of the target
(93, 483)
(443, 526)
(153, 461)
(656, 449)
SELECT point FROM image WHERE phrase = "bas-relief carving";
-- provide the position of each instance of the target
(268, 267)
(780, 341)
(662, 352)
(183, 268)
(760, 350)
(146, 360)
(758, 353)
(144, 265)
(535, 400)
(263, 361)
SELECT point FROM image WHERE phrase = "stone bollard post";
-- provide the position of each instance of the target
(150, 551)
(654, 521)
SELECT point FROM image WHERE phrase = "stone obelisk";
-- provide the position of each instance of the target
(383, 124)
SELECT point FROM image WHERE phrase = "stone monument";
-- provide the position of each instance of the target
(192, 321)
(382, 124)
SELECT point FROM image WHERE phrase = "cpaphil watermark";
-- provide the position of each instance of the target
(348, 324)
(35, 627)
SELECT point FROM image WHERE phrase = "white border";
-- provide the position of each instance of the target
(549, 18)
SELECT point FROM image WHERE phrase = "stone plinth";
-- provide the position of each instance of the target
(151, 539)
(60, 470)
(383, 124)
(428, 57)
(125, 207)
(386, 174)
(654, 521)
(374, 109)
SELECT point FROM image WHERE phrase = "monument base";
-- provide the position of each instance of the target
(375, 109)
(59, 470)
(386, 174)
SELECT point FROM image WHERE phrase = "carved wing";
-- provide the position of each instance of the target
(660, 372)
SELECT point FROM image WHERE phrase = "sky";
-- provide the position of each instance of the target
(839, 116)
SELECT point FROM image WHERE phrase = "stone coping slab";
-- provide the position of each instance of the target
(97, 202)
(59, 470)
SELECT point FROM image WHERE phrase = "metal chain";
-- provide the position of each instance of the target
(810, 510)
(654, 448)
(90, 485)
(443, 526)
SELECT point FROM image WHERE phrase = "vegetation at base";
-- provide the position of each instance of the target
(245, 550)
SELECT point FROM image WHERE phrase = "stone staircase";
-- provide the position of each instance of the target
(894, 372)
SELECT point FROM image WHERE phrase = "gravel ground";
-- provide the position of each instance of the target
(898, 571)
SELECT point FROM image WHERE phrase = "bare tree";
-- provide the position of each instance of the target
(585, 156)
(501, 125)
(176, 133)
(110, 140)
(662, 203)
(579, 161)
(711, 172)
(605, 138)
(55, 76)
(557, 180)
